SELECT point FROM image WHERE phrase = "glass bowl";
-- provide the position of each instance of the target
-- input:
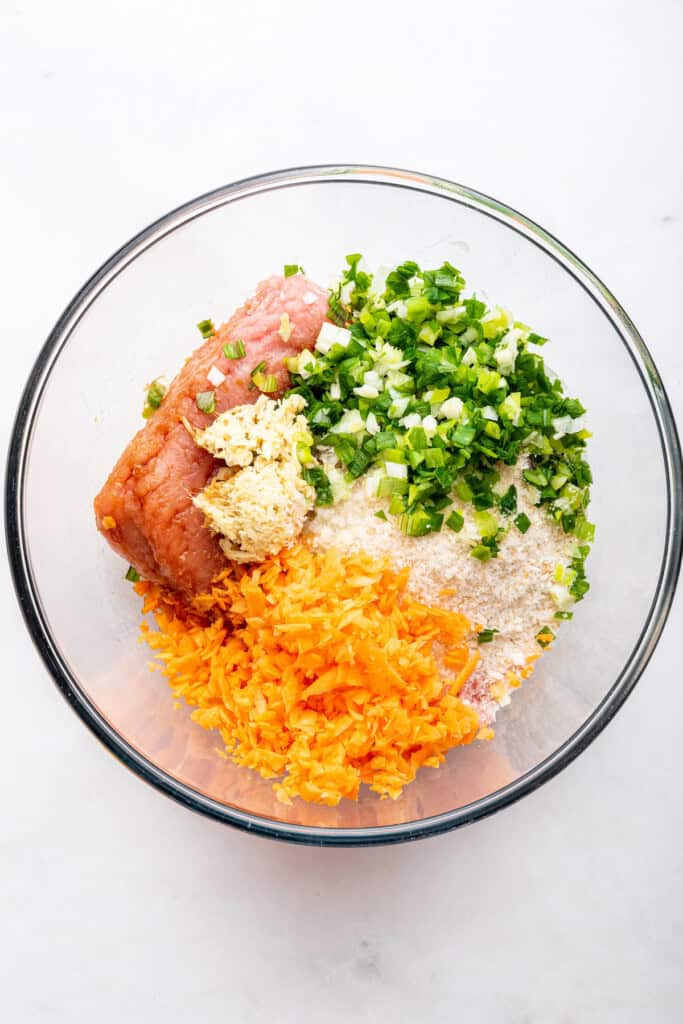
(135, 319)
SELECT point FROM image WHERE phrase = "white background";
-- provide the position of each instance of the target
(118, 905)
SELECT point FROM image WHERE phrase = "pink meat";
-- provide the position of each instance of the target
(148, 495)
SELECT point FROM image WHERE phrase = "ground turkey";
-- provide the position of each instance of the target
(145, 509)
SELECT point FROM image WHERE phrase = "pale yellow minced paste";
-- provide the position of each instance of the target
(259, 502)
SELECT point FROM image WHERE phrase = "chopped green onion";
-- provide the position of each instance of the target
(455, 521)
(482, 552)
(234, 349)
(418, 377)
(488, 380)
(156, 393)
(430, 333)
(558, 481)
(545, 636)
(155, 396)
(417, 439)
(487, 524)
(464, 436)
(133, 575)
(507, 502)
(385, 439)
(536, 477)
(420, 491)
(290, 269)
(486, 635)
(389, 485)
(464, 491)
(417, 309)
(434, 458)
(206, 401)
(304, 455)
(584, 530)
(317, 478)
(580, 586)
(395, 456)
(206, 328)
(381, 514)
(483, 500)
(396, 505)
(420, 523)
(265, 382)
(563, 615)
(522, 522)
(511, 407)
(357, 465)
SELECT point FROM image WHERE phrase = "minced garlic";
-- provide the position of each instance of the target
(259, 502)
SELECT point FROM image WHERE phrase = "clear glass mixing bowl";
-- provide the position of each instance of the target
(136, 318)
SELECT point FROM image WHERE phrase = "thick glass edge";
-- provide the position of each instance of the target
(30, 605)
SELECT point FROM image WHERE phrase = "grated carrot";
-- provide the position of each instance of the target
(318, 670)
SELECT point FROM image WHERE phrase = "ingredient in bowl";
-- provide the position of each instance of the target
(350, 580)
(155, 396)
(437, 391)
(256, 434)
(508, 598)
(259, 502)
(149, 493)
(319, 668)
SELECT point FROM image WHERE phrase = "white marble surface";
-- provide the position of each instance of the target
(118, 905)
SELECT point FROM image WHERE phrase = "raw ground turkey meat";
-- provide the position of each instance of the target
(148, 495)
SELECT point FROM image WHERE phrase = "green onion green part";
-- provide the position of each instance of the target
(265, 382)
(317, 478)
(234, 349)
(206, 401)
(155, 396)
(522, 522)
(206, 328)
(455, 521)
(545, 636)
(156, 393)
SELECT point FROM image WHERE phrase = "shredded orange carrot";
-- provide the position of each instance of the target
(318, 670)
(108, 523)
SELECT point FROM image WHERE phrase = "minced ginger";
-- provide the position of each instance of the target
(259, 502)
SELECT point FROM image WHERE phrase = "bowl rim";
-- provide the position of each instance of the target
(27, 590)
